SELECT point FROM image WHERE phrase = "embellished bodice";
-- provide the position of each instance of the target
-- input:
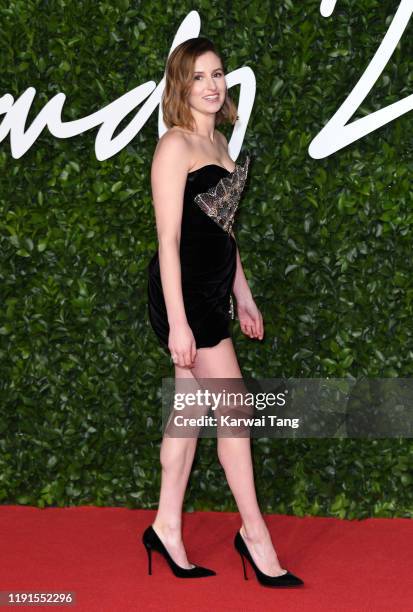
(207, 248)
(212, 195)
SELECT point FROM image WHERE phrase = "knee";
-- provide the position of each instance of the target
(175, 452)
(222, 451)
(232, 450)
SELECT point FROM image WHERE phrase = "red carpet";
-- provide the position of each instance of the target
(355, 566)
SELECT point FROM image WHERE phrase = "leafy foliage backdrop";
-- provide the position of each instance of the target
(326, 246)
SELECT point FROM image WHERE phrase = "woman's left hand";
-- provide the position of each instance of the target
(250, 318)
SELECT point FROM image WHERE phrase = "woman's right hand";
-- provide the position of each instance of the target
(181, 343)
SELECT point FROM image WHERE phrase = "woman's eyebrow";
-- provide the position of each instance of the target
(202, 72)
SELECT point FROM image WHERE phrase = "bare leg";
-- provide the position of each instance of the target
(234, 455)
(176, 455)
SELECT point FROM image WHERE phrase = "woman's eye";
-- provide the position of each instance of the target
(198, 76)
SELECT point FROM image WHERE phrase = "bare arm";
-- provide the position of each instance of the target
(250, 318)
(168, 177)
(241, 288)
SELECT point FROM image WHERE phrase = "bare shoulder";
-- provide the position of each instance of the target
(173, 142)
(172, 151)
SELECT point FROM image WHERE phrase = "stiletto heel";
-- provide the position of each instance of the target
(243, 565)
(152, 541)
(285, 580)
(149, 551)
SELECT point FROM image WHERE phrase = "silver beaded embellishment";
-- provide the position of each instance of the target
(220, 202)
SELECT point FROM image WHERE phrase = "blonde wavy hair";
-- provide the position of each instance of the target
(178, 82)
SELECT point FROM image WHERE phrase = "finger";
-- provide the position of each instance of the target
(257, 326)
(188, 358)
(248, 329)
(261, 326)
(253, 328)
(193, 353)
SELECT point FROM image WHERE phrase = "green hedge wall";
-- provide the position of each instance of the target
(326, 246)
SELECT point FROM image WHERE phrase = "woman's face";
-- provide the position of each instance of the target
(209, 87)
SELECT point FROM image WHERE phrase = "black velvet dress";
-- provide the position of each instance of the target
(207, 256)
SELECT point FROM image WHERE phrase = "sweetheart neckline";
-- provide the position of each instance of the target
(216, 166)
(237, 165)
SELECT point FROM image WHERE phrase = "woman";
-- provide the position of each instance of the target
(196, 189)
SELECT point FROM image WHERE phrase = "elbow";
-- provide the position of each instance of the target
(168, 242)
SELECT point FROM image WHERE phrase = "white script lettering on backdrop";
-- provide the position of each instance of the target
(335, 135)
(110, 116)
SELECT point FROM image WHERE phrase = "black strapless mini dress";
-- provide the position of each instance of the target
(207, 255)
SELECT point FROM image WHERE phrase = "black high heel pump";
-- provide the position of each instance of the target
(152, 541)
(285, 580)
